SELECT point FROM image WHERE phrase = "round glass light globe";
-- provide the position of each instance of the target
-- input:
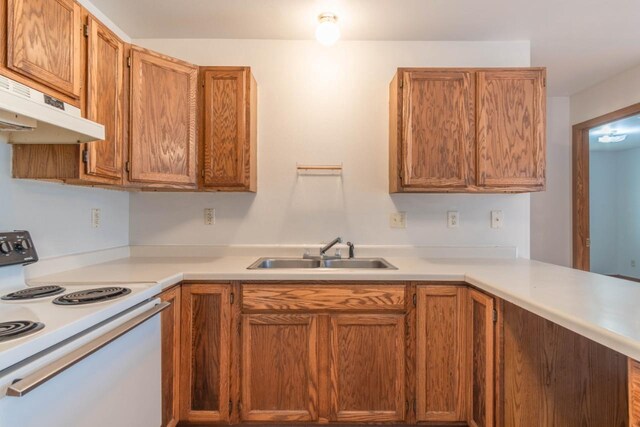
(327, 32)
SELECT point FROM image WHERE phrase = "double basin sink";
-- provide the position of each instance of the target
(360, 263)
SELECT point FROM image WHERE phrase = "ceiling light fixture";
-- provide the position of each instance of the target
(327, 32)
(612, 137)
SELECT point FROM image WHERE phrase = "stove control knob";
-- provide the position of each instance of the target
(5, 247)
(22, 245)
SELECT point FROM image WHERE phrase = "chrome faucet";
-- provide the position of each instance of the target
(324, 249)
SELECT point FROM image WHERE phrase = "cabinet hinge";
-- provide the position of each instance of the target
(129, 61)
(232, 297)
(401, 83)
(415, 300)
(588, 242)
(415, 406)
(239, 405)
(544, 82)
(202, 173)
(127, 166)
(85, 156)
(85, 30)
(495, 315)
(230, 407)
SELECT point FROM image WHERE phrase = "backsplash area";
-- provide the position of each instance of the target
(329, 106)
(59, 216)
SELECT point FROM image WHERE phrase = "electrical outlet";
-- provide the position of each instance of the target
(453, 219)
(497, 219)
(633, 263)
(398, 220)
(209, 216)
(95, 218)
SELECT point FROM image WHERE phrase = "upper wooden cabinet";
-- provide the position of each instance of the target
(105, 72)
(228, 130)
(162, 121)
(467, 130)
(511, 128)
(438, 126)
(43, 42)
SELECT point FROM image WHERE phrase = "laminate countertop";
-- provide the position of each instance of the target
(601, 308)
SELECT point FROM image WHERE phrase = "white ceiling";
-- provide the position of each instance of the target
(629, 126)
(581, 41)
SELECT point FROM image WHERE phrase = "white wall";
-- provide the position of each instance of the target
(615, 212)
(610, 95)
(58, 216)
(327, 106)
(551, 209)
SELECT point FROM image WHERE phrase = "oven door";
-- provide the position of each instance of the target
(108, 377)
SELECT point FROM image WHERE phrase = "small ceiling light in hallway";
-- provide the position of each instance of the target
(327, 32)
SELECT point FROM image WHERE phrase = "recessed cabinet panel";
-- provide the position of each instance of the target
(438, 129)
(280, 368)
(162, 142)
(205, 353)
(511, 128)
(367, 368)
(43, 42)
(441, 383)
(105, 55)
(481, 356)
(171, 357)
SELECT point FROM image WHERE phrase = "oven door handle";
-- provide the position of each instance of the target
(41, 376)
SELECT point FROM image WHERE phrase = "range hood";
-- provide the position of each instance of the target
(31, 117)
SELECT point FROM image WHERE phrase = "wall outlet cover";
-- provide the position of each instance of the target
(398, 220)
(497, 219)
(209, 216)
(453, 219)
(96, 217)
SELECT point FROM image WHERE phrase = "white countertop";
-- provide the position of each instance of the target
(598, 307)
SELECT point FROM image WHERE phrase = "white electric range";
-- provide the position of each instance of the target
(76, 355)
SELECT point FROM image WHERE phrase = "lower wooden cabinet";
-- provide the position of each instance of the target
(481, 359)
(441, 374)
(279, 367)
(366, 373)
(171, 357)
(205, 352)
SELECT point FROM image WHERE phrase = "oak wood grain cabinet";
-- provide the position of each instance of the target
(279, 368)
(441, 349)
(171, 357)
(634, 392)
(97, 162)
(367, 367)
(467, 130)
(205, 352)
(162, 121)
(481, 359)
(43, 40)
(228, 134)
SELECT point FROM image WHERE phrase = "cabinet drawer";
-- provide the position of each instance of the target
(320, 297)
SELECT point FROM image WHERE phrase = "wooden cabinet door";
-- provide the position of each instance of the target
(205, 356)
(367, 367)
(162, 141)
(481, 357)
(511, 128)
(43, 42)
(228, 137)
(438, 129)
(105, 55)
(279, 368)
(441, 386)
(171, 357)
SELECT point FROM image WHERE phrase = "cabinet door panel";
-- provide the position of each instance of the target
(440, 353)
(162, 141)
(105, 56)
(225, 132)
(482, 339)
(43, 42)
(170, 357)
(205, 353)
(438, 129)
(511, 127)
(280, 368)
(367, 368)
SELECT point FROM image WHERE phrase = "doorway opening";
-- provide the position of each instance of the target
(606, 194)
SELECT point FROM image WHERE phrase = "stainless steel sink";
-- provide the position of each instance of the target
(359, 263)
